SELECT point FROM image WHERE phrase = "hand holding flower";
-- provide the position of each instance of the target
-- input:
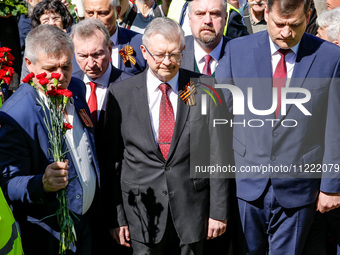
(55, 176)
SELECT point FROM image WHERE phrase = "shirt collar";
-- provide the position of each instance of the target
(103, 80)
(153, 82)
(200, 53)
(274, 48)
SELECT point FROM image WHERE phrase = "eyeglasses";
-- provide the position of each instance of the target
(159, 58)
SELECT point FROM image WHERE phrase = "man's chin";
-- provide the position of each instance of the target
(206, 39)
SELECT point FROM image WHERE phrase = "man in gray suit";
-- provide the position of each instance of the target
(160, 208)
(205, 47)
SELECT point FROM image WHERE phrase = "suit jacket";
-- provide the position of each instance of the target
(24, 156)
(125, 37)
(151, 186)
(314, 140)
(188, 61)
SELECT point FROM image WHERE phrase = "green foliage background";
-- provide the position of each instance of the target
(12, 7)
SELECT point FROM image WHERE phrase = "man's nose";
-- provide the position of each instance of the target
(286, 31)
(91, 62)
(207, 18)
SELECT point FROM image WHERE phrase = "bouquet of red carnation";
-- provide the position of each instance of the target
(53, 104)
(6, 69)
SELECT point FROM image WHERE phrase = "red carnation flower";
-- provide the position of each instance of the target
(31, 75)
(41, 76)
(7, 80)
(10, 71)
(67, 126)
(5, 49)
(28, 77)
(67, 93)
(52, 92)
(43, 81)
(55, 75)
(10, 57)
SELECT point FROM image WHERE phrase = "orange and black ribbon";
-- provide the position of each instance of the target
(127, 53)
(85, 118)
(188, 94)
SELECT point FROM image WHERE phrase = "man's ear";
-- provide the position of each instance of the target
(266, 12)
(309, 14)
(143, 50)
(28, 64)
(118, 10)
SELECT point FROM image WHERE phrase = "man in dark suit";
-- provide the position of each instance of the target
(150, 128)
(206, 46)
(278, 199)
(127, 60)
(92, 47)
(29, 176)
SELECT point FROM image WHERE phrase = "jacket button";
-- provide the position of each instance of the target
(167, 168)
(275, 135)
(78, 196)
(165, 193)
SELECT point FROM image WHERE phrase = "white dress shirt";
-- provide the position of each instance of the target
(200, 53)
(115, 54)
(101, 89)
(154, 99)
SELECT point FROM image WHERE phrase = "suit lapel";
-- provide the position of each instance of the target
(141, 100)
(182, 112)
(224, 44)
(188, 61)
(303, 63)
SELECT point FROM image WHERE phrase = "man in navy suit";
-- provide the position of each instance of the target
(122, 58)
(29, 176)
(278, 187)
(207, 20)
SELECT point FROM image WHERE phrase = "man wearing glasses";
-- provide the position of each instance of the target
(160, 209)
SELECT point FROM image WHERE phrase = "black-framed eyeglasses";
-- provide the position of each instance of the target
(159, 58)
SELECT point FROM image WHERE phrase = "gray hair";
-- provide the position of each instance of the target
(113, 3)
(330, 21)
(87, 27)
(47, 39)
(166, 27)
(224, 4)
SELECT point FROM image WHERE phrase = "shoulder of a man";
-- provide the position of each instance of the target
(21, 100)
(126, 36)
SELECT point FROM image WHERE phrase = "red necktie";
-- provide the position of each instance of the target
(206, 68)
(92, 102)
(166, 121)
(279, 78)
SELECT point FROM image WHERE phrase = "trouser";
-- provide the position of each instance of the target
(269, 228)
(169, 245)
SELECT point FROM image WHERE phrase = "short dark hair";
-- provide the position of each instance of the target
(53, 6)
(288, 7)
